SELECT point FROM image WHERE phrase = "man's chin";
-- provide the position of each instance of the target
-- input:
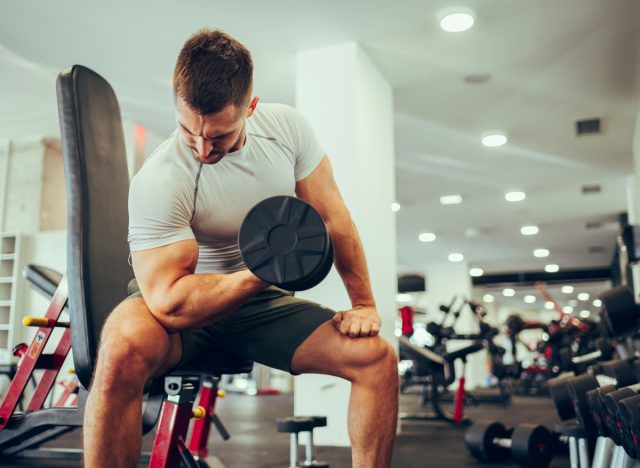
(212, 159)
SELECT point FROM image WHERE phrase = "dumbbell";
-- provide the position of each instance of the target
(566, 403)
(629, 416)
(570, 363)
(600, 417)
(577, 388)
(560, 396)
(616, 426)
(622, 370)
(621, 407)
(528, 444)
(296, 425)
(284, 241)
(309, 459)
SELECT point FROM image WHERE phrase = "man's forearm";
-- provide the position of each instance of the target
(200, 299)
(351, 263)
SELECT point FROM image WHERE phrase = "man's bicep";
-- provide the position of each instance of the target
(159, 268)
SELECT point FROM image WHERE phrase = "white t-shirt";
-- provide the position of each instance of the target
(174, 197)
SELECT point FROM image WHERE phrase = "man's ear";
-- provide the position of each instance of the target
(252, 106)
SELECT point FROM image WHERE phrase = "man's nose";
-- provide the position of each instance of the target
(203, 146)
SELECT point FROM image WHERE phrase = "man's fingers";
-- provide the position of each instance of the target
(365, 330)
(354, 330)
(356, 325)
(345, 325)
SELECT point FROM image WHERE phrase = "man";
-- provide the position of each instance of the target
(186, 205)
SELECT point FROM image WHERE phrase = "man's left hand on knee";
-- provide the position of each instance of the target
(358, 322)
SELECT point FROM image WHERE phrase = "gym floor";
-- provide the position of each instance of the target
(255, 443)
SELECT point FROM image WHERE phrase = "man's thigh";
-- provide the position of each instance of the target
(268, 329)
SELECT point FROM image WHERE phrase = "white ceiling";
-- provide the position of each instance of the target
(550, 63)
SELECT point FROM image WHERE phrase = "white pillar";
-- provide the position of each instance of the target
(444, 281)
(350, 105)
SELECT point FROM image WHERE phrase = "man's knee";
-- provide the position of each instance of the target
(132, 346)
(375, 360)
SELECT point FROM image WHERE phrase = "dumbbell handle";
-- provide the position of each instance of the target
(309, 449)
(504, 443)
(293, 450)
(586, 357)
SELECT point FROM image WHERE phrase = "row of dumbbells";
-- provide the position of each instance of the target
(601, 414)
(295, 426)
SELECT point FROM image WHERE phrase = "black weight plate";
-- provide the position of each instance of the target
(307, 282)
(323, 271)
(594, 400)
(561, 398)
(294, 424)
(578, 388)
(611, 407)
(283, 240)
(315, 277)
(598, 405)
(629, 415)
(532, 445)
(619, 310)
(479, 440)
(564, 358)
(603, 345)
(319, 421)
(623, 371)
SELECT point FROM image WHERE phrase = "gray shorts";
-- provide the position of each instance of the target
(267, 328)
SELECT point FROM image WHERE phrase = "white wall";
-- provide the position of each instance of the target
(21, 166)
(444, 281)
(350, 105)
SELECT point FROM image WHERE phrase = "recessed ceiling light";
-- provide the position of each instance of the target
(583, 296)
(567, 309)
(541, 253)
(585, 314)
(549, 305)
(529, 299)
(451, 199)
(456, 257)
(488, 298)
(597, 303)
(475, 272)
(552, 268)
(515, 196)
(427, 237)
(395, 206)
(567, 289)
(458, 21)
(494, 140)
(508, 292)
(529, 230)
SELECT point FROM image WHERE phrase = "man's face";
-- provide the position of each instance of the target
(210, 137)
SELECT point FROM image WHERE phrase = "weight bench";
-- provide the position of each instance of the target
(96, 281)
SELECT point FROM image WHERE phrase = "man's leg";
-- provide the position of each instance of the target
(370, 364)
(134, 347)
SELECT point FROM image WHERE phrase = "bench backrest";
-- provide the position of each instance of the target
(97, 182)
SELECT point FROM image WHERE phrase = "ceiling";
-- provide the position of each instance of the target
(549, 64)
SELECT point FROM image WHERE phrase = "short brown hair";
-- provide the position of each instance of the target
(213, 70)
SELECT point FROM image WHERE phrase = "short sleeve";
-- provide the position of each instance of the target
(159, 212)
(307, 151)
